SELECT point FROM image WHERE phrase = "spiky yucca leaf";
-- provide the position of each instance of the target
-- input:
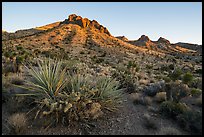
(48, 79)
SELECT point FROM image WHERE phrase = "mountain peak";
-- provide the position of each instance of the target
(163, 40)
(85, 22)
(144, 38)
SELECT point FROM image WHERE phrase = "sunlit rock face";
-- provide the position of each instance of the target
(84, 22)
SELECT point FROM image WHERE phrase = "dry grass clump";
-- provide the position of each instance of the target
(160, 97)
(147, 101)
(149, 122)
(138, 98)
(168, 131)
(18, 122)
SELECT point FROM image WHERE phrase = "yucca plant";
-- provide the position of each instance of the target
(108, 92)
(48, 79)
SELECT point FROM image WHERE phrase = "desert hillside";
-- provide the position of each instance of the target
(75, 77)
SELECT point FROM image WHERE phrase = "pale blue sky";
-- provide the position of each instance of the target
(176, 21)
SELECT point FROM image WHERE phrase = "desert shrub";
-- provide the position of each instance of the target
(143, 100)
(5, 85)
(18, 122)
(134, 65)
(164, 68)
(187, 78)
(176, 74)
(191, 121)
(97, 60)
(146, 101)
(168, 131)
(128, 81)
(198, 101)
(67, 97)
(160, 97)
(82, 52)
(8, 54)
(171, 66)
(166, 79)
(19, 59)
(176, 90)
(149, 66)
(196, 92)
(199, 71)
(172, 109)
(149, 122)
(103, 55)
(19, 47)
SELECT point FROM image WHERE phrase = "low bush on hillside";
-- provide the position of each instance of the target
(196, 92)
(176, 74)
(173, 109)
(187, 78)
(134, 65)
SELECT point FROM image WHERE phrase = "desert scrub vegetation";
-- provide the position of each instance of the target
(18, 122)
(175, 91)
(187, 78)
(132, 64)
(127, 78)
(149, 122)
(176, 74)
(196, 92)
(63, 97)
(191, 121)
(160, 97)
(173, 109)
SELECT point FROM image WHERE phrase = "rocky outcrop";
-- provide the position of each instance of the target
(143, 41)
(143, 38)
(163, 41)
(84, 22)
(123, 38)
